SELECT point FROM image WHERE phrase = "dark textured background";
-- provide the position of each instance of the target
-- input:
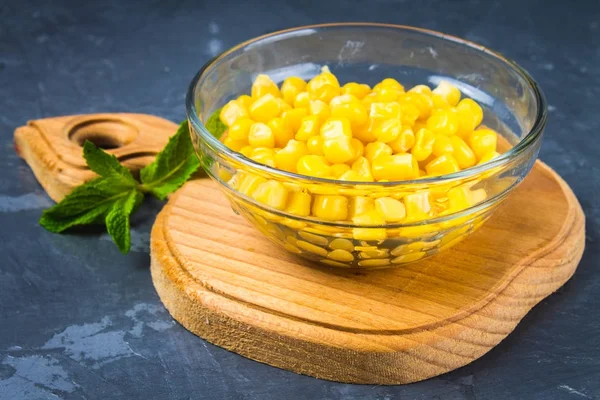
(80, 321)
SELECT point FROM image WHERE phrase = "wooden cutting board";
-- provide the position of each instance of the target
(52, 146)
(224, 281)
(221, 279)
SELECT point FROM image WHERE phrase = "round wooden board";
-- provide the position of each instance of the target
(221, 279)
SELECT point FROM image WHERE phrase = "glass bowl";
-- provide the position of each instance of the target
(513, 105)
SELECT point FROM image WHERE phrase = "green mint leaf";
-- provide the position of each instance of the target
(87, 204)
(214, 124)
(173, 165)
(117, 219)
(107, 165)
(111, 198)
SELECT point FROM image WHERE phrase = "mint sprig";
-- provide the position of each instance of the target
(111, 198)
(172, 166)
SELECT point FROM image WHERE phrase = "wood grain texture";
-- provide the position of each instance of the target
(223, 281)
(52, 146)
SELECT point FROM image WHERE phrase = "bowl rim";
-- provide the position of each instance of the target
(527, 141)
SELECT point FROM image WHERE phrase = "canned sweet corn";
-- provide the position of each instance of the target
(354, 134)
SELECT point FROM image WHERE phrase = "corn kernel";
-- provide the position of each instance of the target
(404, 142)
(287, 158)
(334, 128)
(327, 92)
(264, 85)
(374, 252)
(337, 145)
(417, 205)
(234, 144)
(365, 133)
(299, 204)
(383, 111)
(442, 145)
(324, 78)
(421, 101)
(359, 90)
(249, 183)
(483, 141)
(444, 164)
(353, 176)
(293, 118)
(341, 255)
(376, 149)
(260, 135)
(407, 258)
(232, 111)
(245, 101)
(291, 87)
(330, 208)
(341, 244)
(414, 247)
(462, 153)
(246, 150)
(488, 157)
(311, 248)
(320, 109)
(369, 218)
(343, 99)
(314, 239)
(423, 89)
(458, 199)
(263, 155)
(374, 263)
(271, 193)
(449, 92)
(474, 108)
(396, 167)
(423, 147)
(368, 100)
(358, 149)
(439, 102)
(281, 132)
(353, 111)
(333, 263)
(389, 83)
(388, 130)
(308, 127)
(462, 197)
(338, 170)
(469, 115)
(240, 128)
(390, 209)
(387, 94)
(265, 108)
(315, 145)
(443, 122)
(362, 167)
(338, 150)
(360, 205)
(291, 248)
(303, 99)
(283, 106)
(313, 165)
(410, 114)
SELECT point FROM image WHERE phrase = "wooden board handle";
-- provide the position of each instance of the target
(52, 146)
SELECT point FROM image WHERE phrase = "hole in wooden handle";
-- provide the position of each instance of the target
(105, 133)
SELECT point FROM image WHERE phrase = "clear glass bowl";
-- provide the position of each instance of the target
(513, 105)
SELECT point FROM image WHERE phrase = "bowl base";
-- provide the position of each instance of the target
(225, 282)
